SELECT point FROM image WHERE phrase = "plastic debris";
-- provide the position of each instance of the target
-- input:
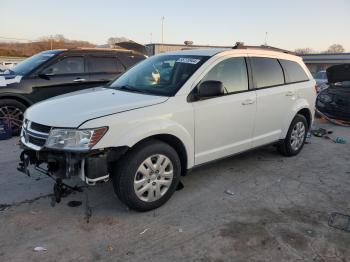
(180, 230)
(109, 248)
(74, 203)
(40, 249)
(229, 192)
(144, 231)
(339, 221)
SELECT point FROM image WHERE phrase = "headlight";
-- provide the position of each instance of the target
(325, 98)
(74, 139)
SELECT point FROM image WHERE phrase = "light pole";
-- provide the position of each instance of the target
(162, 19)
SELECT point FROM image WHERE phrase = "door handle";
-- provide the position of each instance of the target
(290, 93)
(248, 101)
(79, 80)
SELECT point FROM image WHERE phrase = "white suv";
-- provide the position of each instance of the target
(168, 114)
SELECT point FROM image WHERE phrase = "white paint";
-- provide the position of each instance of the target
(208, 129)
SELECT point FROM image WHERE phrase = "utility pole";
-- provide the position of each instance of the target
(162, 19)
(266, 34)
(150, 40)
(51, 41)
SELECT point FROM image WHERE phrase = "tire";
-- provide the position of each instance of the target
(134, 174)
(286, 147)
(13, 110)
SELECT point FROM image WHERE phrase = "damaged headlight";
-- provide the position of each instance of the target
(74, 139)
(325, 98)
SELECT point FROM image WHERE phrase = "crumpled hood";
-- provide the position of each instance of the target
(338, 73)
(71, 110)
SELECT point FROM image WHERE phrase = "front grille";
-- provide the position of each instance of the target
(40, 128)
(36, 141)
(35, 133)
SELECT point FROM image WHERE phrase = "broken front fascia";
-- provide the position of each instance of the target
(93, 166)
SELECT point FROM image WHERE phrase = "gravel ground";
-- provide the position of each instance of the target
(257, 206)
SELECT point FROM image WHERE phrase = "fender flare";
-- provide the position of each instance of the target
(161, 127)
(301, 104)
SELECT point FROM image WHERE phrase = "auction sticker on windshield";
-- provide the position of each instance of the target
(188, 60)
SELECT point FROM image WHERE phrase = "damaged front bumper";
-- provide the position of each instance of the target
(92, 167)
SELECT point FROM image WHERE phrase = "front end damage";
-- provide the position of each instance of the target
(92, 166)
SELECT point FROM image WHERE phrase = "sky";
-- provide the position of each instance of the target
(316, 24)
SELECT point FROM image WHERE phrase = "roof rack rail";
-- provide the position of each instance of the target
(240, 45)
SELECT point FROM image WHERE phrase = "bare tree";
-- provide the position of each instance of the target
(303, 51)
(335, 48)
(114, 40)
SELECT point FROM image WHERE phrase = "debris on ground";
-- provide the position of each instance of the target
(229, 192)
(180, 230)
(180, 186)
(109, 248)
(74, 203)
(144, 231)
(339, 221)
(40, 249)
(4, 207)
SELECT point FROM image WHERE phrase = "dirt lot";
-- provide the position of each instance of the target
(278, 211)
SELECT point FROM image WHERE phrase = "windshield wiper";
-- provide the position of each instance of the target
(130, 88)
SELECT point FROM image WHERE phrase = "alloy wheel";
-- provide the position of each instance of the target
(14, 116)
(297, 136)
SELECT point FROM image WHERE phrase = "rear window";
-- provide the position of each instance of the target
(267, 72)
(293, 71)
(105, 65)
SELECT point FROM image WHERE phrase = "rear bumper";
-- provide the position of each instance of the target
(91, 167)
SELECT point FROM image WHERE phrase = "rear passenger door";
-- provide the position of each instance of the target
(274, 99)
(103, 69)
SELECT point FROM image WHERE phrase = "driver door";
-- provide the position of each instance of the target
(63, 76)
(224, 125)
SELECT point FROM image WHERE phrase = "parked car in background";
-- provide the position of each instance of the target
(170, 113)
(321, 79)
(55, 72)
(334, 101)
(2, 69)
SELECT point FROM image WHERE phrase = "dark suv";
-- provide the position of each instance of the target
(56, 72)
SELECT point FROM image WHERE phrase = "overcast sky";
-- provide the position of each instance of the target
(290, 24)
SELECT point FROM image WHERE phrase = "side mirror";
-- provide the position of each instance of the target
(211, 88)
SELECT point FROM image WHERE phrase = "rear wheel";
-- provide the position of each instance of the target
(12, 111)
(147, 176)
(295, 138)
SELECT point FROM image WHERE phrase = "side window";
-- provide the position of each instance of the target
(68, 65)
(232, 73)
(105, 65)
(267, 72)
(293, 71)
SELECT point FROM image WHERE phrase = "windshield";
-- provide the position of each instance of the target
(32, 62)
(159, 75)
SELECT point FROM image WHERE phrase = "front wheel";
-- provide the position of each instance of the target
(147, 176)
(295, 138)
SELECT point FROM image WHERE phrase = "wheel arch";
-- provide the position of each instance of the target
(18, 98)
(175, 143)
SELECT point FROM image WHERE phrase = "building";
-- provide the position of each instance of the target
(318, 62)
(315, 62)
(156, 48)
(10, 61)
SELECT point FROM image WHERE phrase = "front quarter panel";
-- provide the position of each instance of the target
(173, 117)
